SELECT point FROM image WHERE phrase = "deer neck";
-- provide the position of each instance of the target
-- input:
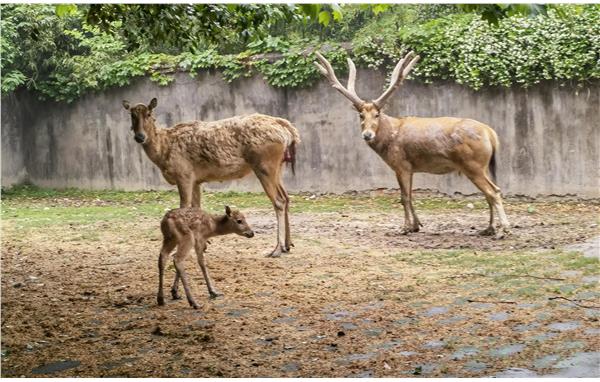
(220, 225)
(154, 146)
(383, 138)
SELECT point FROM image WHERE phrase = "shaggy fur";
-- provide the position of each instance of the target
(187, 228)
(430, 145)
(189, 154)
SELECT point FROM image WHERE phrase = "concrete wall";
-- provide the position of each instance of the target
(550, 135)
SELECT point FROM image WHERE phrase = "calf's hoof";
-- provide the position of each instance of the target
(194, 305)
(407, 230)
(502, 234)
(160, 300)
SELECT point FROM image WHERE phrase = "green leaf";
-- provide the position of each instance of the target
(324, 17)
(63, 10)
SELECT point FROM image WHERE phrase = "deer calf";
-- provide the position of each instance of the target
(189, 227)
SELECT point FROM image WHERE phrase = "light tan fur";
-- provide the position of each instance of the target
(431, 145)
(189, 154)
(187, 228)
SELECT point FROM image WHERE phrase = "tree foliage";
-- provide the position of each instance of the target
(62, 52)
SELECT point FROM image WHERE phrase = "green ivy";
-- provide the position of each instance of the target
(64, 58)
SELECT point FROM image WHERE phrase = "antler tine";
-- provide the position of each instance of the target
(327, 70)
(351, 77)
(398, 75)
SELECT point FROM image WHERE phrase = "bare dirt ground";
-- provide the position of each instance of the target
(353, 298)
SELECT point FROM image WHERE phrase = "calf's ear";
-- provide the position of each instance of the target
(227, 211)
(153, 103)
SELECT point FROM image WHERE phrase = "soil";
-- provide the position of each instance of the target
(353, 298)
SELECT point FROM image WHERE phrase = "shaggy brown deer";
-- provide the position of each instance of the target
(187, 228)
(189, 154)
(431, 145)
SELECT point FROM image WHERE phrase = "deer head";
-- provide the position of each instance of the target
(369, 112)
(139, 114)
(235, 222)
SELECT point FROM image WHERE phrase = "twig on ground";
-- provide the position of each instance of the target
(574, 302)
(492, 302)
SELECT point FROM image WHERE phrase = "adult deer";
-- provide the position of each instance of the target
(191, 153)
(431, 145)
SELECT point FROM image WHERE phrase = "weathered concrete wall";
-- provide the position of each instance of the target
(550, 135)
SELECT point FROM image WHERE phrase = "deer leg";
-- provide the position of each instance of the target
(288, 241)
(404, 179)
(185, 244)
(268, 180)
(165, 251)
(197, 195)
(175, 287)
(186, 191)
(200, 248)
(492, 195)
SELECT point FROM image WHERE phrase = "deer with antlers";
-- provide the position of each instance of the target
(431, 145)
(191, 153)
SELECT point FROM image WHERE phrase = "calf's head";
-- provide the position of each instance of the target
(139, 114)
(236, 223)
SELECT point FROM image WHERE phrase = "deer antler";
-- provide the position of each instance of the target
(398, 75)
(349, 92)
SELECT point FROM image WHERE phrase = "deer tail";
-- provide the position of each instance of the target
(290, 151)
(492, 163)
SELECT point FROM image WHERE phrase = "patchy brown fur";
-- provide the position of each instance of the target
(191, 153)
(431, 145)
(187, 228)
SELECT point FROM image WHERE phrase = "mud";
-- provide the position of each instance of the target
(353, 298)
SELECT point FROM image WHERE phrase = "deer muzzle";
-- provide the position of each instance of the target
(139, 137)
(249, 234)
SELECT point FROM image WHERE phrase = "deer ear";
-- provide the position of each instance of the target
(227, 211)
(153, 103)
(126, 104)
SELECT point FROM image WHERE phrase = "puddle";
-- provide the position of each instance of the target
(375, 332)
(590, 248)
(436, 310)
(434, 344)
(452, 320)
(55, 367)
(238, 312)
(348, 326)
(406, 321)
(525, 327)
(482, 305)
(591, 279)
(573, 344)
(543, 337)
(545, 361)
(581, 365)
(464, 352)
(284, 320)
(387, 345)
(339, 315)
(505, 351)
(290, 367)
(500, 316)
(475, 366)
(564, 326)
(354, 357)
(407, 353)
(515, 372)
(592, 331)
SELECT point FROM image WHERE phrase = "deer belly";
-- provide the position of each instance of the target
(434, 165)
(225, 172)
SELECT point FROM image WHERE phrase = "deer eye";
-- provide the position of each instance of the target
(377, 115)
(362, 116)
(239, 221)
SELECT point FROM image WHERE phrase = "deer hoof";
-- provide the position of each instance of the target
(489, 231)
(194, 305)
(175, 295)
(215, 294)
(160, 300)
(275, 253)
(407, 230)
(502, 234)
